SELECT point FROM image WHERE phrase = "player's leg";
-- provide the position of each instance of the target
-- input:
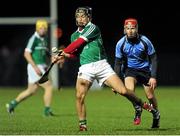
(22, 96)
(116, 83)
(106, 75)
(48, 93)
(130, 83)
(85, 78)
(82, 87)
(152, 99)
(32, 87)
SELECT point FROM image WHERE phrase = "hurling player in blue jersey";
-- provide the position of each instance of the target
(136, 62)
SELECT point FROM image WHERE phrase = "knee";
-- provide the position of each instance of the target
(48, 88)
(123, 91)
(150, 96)
(31, 89)
(30, 92)
(80, 96)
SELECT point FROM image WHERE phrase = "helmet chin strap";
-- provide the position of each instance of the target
(133, 39)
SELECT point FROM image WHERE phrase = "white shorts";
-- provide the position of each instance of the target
(33, 77)
(100, 70)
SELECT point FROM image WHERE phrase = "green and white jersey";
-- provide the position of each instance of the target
(38, 47)
(93, 50)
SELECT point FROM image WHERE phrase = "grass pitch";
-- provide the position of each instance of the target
(107, 114)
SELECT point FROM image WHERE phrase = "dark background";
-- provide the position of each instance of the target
(158, 21)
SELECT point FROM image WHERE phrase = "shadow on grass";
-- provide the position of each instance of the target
(149, 129)
(64, 115)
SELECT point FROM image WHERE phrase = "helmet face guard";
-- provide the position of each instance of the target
(83, 11)
(87, 11)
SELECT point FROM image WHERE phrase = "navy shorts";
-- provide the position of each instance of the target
(142, 76)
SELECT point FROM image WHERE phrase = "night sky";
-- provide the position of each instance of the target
(158, 21)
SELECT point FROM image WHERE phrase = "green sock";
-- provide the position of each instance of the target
(83, 122)
(13, 103)
(47, 110)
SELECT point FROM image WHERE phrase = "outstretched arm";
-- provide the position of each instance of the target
(30, 60)
(74, 45)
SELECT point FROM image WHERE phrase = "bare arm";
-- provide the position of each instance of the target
(30, 60)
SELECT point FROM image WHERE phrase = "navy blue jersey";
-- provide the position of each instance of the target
(136, 53)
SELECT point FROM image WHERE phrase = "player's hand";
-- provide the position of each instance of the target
(57, 59)
(152, 83)
(66, 55)
(38, 71)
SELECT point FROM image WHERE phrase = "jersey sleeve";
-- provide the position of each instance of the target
(72, 37)
(30, 44)
(92, 32)
(150, 46)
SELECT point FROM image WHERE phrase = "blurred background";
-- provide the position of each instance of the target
(158, 21)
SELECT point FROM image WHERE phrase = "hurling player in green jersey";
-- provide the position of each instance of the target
(37, 55)
(87, 41)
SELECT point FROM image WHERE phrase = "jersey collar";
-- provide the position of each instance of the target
(80, 31)
(38, 36)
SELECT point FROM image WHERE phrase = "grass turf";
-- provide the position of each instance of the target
(107, 114)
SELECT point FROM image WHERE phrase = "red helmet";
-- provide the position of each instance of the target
(132, 22)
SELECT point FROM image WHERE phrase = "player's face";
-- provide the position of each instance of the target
(42, 31)
(82, 19)
(131, 31)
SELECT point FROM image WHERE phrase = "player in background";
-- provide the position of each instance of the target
(136, 61)
(37, 56)
(87, 41)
